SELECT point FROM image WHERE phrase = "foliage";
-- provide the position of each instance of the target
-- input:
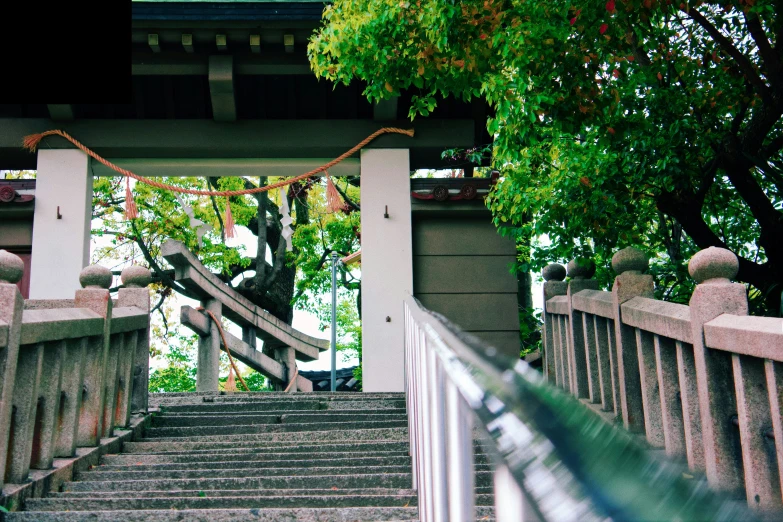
(632, 122)
(179, 375)
(162, 216)
(529, 331)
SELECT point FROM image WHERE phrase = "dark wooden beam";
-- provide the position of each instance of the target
(241, 139)
(61, 112)
(221, 88)
(184, 64)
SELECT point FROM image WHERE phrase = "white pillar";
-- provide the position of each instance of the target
(61, 247)
(387, 266)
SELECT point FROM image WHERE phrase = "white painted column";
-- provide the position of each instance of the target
(387, 266)
(61, 247)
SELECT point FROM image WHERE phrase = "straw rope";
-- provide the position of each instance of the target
(32, 141)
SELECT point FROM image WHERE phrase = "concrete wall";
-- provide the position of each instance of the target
(461, 268)
(387, 271)
(61, 247)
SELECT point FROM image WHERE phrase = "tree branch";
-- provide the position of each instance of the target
(740, 59)
(771, 60)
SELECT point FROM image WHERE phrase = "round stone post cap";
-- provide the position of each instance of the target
(95, 276)
(554, 272)
(11, 267)
(136, 276)
(629, 259)
(581, 268)
(713, 263)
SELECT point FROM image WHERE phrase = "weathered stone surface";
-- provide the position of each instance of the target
(714, 373)
(557, 305)
(136, 276)
(595, 302)
(554, 272)
(713, 263)
(95, 276)
(581, 268)
(11, 267)
(748, 335)
(671, 320)
(627, 286)
(629, 259)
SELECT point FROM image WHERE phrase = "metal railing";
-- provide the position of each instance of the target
(551, 457)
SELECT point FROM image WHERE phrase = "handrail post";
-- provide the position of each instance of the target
(135, 293)
(580, 270)
(94, 296)
(11, 307)
(714, 295)
(334, 323)
(629, 283)
(208, 364)
(460, 469)
(554, 285)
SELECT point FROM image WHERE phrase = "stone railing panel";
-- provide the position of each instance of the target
(39, 326)
(128, 319)
(670, 320)
(703, 381)
(595, 302)
(65, 371)
(746, 335)
(557, 305)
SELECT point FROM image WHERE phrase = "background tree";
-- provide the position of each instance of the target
(274, 279)
(628, 122)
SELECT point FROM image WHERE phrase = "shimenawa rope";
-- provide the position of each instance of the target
(32, 141)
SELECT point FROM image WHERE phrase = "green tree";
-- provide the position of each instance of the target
(275, 279)
(628, 122)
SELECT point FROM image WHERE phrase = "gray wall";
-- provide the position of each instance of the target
(461, 269)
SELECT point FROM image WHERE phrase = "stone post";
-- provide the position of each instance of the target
(135, 293)
(208, 365)
(11, 307)
(580, 270)
(287, 356)
(554, 285)
(715, 295)
(629, 283)
(94, 296)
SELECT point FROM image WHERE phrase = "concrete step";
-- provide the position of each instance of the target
(97, 474)
(283, 404)
(344, 462)
(228, 429)
(409, 514)
(312, 402)
(125, 459)
(483, 479)
(270, 395)
(206, 502)
(256, 446)
(275, 417)
(355, 480)
(311, 435)
(246, 492)
(237, 493)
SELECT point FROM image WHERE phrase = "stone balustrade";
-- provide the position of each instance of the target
(71, 371)
(703, 382)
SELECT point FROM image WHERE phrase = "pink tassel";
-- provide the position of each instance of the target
(334, 200)
(230, 229)
(131, 212)
(231, 384)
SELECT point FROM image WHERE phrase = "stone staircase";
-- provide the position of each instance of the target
(256, 456)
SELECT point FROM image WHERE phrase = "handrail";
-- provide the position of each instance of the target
(553, 458)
